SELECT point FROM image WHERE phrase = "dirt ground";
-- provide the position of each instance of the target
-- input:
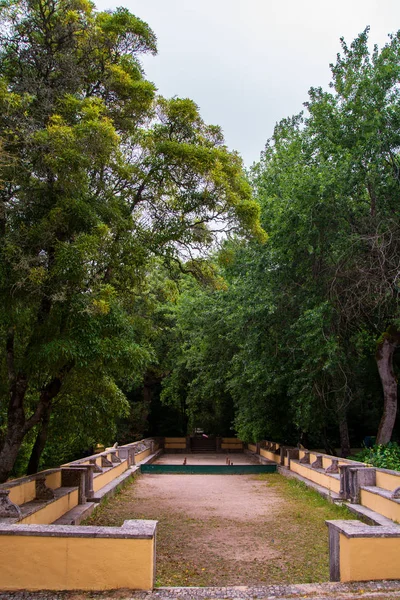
(228, 529)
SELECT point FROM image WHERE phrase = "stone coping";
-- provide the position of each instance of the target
(85, 459)
(27, 478)
(133, 529)
(146, 440)
(357, 529)
(388, 471)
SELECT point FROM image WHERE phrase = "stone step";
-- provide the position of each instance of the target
(77, 514)
(110, 489)
(374, 489)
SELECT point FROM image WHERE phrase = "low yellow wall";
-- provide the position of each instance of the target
(363, 559)
(175, 445)
(231, 445)
(381, 505)
(142, 455)
(52, 511)
(387, 481)
(252, 447)
(270, 455)
(101, 480)
(51, 563)
(23, 493)
(326, 481)
(172, 440)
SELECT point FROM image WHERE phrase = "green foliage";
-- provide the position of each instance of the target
(289, 340)
(101, 177)
(383, 456)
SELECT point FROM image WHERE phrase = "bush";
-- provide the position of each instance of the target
(383, 456)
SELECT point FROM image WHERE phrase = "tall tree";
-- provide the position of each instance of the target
(100, 175)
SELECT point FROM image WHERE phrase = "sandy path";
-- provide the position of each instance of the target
(226, 530)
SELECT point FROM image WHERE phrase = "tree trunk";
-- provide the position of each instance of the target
(18, 426)
(40, 443)
(344, 436)
(384, 360)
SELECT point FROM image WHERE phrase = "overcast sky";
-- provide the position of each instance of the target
(249, 63)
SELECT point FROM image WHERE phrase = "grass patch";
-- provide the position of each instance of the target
(302, 533)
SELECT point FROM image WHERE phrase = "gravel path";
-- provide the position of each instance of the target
(327, 591)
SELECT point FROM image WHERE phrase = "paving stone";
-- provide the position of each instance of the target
(377, 590)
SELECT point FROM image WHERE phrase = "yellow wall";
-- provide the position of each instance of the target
(362, 559)
(381, 505)
(50, 563)
(327, 481)
(231, 446)
(53, 480)
(269, 455)
(175, 445)
(387, 481)
(23, 493)
(252, 447)
(231, 441)
(173, 440)
(142, 455)
(102, 479)
(52, 511)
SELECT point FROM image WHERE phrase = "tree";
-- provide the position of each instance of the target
(101, 175)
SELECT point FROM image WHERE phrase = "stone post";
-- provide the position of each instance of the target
(360, 477)
(292, 454)
(78, 475)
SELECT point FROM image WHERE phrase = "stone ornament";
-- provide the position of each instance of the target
(317, 464)
(334, 467)
(42, 491)
(306, 458)
(96, 468)
(8, 510)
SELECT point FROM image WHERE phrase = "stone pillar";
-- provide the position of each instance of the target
(282, 455)
(77, 475)
(344, 481)
(360, 477)
(218, 443)
(292, 454)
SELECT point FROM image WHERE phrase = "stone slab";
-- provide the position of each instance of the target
(77, 514)
(143, 529)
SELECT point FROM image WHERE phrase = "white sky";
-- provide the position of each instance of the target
(249, 63)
